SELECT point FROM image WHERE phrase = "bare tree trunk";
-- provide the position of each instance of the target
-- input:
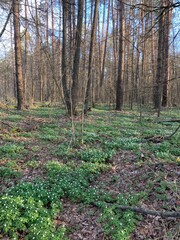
(115, 50)
(119, 89)
(167, 21)
(26, 52)
(39, 56)
(75, 84)
(83, 87)
(161, 88)
(153, 61)
(18, 59)
(64, 57)
(53, 93)
(12, 60)
(46, 67)
(91, 52)
(105, 46)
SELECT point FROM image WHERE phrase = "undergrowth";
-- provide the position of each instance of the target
(28, 209)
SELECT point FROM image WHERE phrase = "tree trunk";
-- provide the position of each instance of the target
(159, 71)
(18, 59)
(91, 52)
(167, 21)
(39, 56)
(26, 53)
(75, 84)
(119, 89)
(105, 47)
(64, 57)
(53, 62)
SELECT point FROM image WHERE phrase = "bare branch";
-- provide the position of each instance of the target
(165, 214)
(5, 25)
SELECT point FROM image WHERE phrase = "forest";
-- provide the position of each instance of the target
(89, 119)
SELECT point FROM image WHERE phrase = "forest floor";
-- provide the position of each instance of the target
(64, 178)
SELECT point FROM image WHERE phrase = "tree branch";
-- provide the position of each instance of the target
(150, 212)
(7, 124)
(5, 25)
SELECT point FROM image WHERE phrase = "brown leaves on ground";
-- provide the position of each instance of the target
(128, 175)
(81, 221)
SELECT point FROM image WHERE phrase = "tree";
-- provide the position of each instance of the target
(107, 52)
(65, 5)
(71, 95)
(105, 46)
(18, 59)
(119, 89)
(161, 87)
(75, 85)
(38, 55)
(91, 52)
(167, 21)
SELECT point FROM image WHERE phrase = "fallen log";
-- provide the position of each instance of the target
(163, 214)
(170, 120)
(159, 139)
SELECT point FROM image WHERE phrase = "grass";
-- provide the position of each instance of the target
(63, 164)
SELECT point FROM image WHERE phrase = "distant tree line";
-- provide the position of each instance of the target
(82, 52)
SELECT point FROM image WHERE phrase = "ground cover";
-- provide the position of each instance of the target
(64, 178)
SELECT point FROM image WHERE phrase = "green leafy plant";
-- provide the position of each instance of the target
(30, 209)
(6, 172)
(164, 155)
(63, 150)
(49, 134)
(90, 137)
(39, 190)
(13, 118)
(95, 155)
(28, 215)
(33, 164)
(117, 224)
(73, 181)
(11, 150)
(123, 143)
(35, 204)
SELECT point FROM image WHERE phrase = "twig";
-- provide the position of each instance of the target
(172, 134)
(6, 23)
(7, 124)
(159, 139)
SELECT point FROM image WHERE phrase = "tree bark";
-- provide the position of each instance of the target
(105, 47)
(119, 89)
(18, 59)
(65, 4)
(75, 84)
(159, 71)
(25, 53)
(53, 65)
(167, 21)
(39, 56)
(91, 52)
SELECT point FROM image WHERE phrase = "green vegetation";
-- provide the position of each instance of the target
(11, 150)
(6, 172)
(26, 214)
(61, 164)
(95, 155)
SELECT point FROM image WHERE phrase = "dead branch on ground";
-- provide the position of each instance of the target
(162, 214)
